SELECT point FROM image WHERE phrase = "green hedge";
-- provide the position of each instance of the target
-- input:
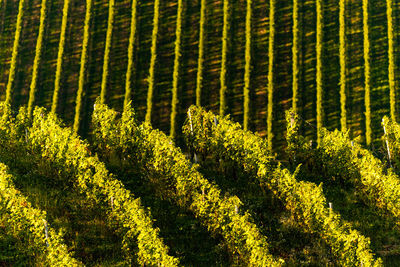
(153, 59)
(60, 56)
(132, 39)
(200, 60)
(271, 61)
(342, 61)
(224, 59)
(319, 66)
(247, 67)
(175, 178)
(15, 51)
(38, 56)
(177, 62)
(392, 82)
(340, 157)
(367, 74)
(295, 54)
(21, 219)
(43, 140)
(304, 200)
(83, 65)
(107, 49)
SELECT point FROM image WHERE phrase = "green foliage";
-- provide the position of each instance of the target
(392, 83)
(47, 141)
(342, 60)
(247, 67)
(60, 55)
(224, 60)
(21, 219)
(271, 60)
(176, 178)
(341, 157)
(367, 73)
(96, 182)
(295, 54)
(392, 140)
(38, 57)
(319, 46)
(83, 66)
(200, 60)
(175, 78)
(151, 79)
(15, 50)
(110, 25)
(304, 200)
(296, 144)
(132, 38)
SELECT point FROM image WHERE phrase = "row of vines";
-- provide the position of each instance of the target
(156, 154)
(208, 134)
(29, 223)
(339, 156)
(40, 137)
(43, 140)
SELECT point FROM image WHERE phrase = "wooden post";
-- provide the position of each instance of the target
(26, 135)
(46, 232)
(190, 120)
(387, 144)
(291, 120)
